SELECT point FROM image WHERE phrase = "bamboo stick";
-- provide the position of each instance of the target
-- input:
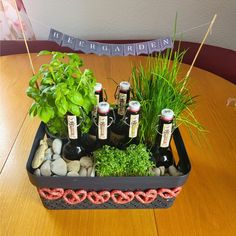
(26, 44)
(199, 49)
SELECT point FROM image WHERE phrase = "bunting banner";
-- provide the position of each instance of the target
(86, 46)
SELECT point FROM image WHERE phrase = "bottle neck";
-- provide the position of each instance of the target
(124, 94)
(99, 96)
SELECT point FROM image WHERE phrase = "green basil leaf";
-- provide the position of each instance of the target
(76, 98)
(70, 81)
(47, 81)
(87, 105)
(74, 109)
(33, 110)
(43, 114)
(62, 105)
(50, 111)
(33, 80)
(32, 92)
(44, 52)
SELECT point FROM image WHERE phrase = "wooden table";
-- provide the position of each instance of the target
(206, 205)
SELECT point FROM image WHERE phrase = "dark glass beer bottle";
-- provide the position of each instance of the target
(122, 96)
(162, 151)
(90, 139)
(73, 149)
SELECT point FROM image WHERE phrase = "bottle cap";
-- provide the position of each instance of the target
(103, 107)
(134, 106)
(167, 114)
(98, 87)
(124, 85)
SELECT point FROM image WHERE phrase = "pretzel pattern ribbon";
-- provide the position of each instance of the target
(168, 193)
(99, 198)
(120, 197)
(74, 197)
(51, 194)
(146, 197)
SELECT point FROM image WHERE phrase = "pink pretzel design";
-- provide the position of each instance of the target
(120, 197)
(51, 194)
(146, 197)
(74, 197)
(98, 198)
(169, 193)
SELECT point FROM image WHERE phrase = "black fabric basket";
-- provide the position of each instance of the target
(163, 189)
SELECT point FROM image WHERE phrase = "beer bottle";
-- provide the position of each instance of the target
(73, 149)
(122, 95)
(90, 139)
(162, 151)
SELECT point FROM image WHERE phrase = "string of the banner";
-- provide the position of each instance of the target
(179, 33)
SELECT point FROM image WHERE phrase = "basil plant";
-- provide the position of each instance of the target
(63, 88)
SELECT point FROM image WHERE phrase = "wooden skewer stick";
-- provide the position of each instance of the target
(26, 44)
(199, 49)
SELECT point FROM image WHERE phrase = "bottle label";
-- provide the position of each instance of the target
(133, 128)
(72, 127)
(166, 135)
(122, 103)
(102, 127)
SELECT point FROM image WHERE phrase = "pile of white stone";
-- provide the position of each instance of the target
(48, 161)
(162, 171)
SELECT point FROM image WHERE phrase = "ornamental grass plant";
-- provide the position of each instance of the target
(157, 86)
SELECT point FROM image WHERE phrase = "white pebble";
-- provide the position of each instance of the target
(45, 168)
(86, 161)
(37, 172)
(58, 167)
(93, 171)
(39, 155)
(89, 171)
(156, 171)
(55, 156)
(73, 166)
(174, 172)
(83, 172)
(48, 154)
(162, 170)
(56, 146)
(72, 173)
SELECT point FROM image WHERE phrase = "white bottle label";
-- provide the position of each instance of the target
(102, 127)
(122, 103)
(133, 128)
(72, 127)
(166, 135)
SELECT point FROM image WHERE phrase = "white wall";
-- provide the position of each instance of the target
(134, 19)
